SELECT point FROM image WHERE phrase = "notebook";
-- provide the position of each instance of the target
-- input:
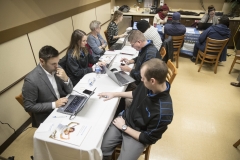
(75, 104)
(203, 26)
(118, 46)
(120, 77)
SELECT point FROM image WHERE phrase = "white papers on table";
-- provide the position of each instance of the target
(190, 30)
(45, 127)
(70, 132)
(112, 52)
(107, 58)
(128, 50)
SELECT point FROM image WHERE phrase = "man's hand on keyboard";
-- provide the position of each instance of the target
(61, 102)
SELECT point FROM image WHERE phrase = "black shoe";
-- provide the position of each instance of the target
(193, 59)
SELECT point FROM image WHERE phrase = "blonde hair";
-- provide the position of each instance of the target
(77, 36)
(117, 14)
(136, 35)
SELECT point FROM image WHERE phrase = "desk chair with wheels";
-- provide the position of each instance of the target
(212, 52)
(177, 45)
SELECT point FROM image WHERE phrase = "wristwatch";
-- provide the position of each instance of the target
(124, 127)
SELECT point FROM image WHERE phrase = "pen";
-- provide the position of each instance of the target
(59, 116)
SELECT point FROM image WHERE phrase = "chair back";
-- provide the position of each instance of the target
(19, 98)
(177, 42)
(162, 52)
(106, 35)
(215, 47)
(172, 71)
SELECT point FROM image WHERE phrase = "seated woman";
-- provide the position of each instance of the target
(78, 57)
(210, 17)
(161, 17)
(95, 40)
(112, 30)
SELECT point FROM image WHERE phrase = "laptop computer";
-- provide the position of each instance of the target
(103, 71)
(75, 104)
(134, 27)
(118, 46)
(120, 77)
(203, 26)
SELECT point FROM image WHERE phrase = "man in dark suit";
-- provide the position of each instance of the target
(46, 86)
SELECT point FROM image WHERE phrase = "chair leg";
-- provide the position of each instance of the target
(196, 60)
(215, 67)
(201, 64)
(236, 144)
(177, 60)
(233, 63)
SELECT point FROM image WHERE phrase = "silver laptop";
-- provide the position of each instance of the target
(75, 104)
(118, 46)
(120, 77)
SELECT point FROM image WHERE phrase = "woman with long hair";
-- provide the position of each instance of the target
(112, 30)
(78, 57)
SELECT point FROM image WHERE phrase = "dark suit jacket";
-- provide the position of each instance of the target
(38, 94)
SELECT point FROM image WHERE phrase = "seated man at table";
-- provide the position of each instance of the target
(144, 122)
(150, 33)
(218, 32)
(146, 50)
(46, 86)
(175, 28)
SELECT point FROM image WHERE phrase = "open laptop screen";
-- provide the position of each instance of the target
(134, 27)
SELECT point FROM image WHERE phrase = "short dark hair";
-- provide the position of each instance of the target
(157, 69)
(224, 20)
(48, 52)
(143, 25)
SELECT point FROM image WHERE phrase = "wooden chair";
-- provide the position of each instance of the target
(237, 57)
(19, 98)
(117, 150)
(215, 47)
(106, 35)
(162, 52)
(172, 71)
(236, 144)
(177, 45)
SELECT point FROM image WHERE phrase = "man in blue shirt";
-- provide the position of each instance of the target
(219, 32)
(175, 28)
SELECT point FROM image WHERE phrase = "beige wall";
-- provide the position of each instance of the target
(179, 4)
(18, 12)
(17, 56)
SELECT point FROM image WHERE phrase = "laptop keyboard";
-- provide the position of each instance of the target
(74, 104)
(116, 46)
(120, 78)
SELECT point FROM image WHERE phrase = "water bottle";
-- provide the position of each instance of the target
(98, 71)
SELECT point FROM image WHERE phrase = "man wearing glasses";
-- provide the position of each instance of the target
(146, 50)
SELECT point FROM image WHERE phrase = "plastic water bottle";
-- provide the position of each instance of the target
(98, 71)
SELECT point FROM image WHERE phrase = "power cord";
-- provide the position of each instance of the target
(201, 2)
(9, 126)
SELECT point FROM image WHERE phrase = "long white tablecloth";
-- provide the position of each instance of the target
(96, 112)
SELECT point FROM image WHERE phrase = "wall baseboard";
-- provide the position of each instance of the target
(14, 135)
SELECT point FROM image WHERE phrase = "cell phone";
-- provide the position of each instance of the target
(87, 92)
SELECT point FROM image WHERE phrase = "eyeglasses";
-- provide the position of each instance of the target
(132, 44)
